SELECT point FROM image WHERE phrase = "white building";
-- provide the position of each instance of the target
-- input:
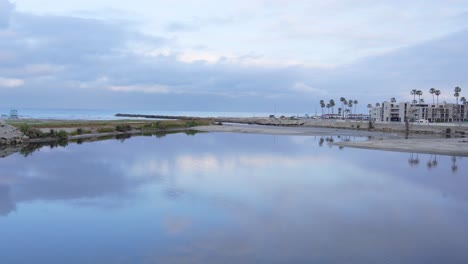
(399, 112)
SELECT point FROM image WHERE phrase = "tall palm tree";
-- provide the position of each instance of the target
(355, 103)
(419, 93)
(342, 100)
(345, 103)
(463, 101)
(322, 105)
(457, 91)
(413, 93)
(332, 105)
(328, 108)
(437, 93)
(350, 105)
(432, 91)
(369, 106)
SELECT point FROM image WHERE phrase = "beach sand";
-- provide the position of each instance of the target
(433, 144)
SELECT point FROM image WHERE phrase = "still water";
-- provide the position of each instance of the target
(231, 198)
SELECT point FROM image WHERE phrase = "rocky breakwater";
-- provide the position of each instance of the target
(10, 135)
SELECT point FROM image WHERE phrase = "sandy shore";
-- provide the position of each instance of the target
(432, 144)
(389, 140)
(442, 146)
(292, 130)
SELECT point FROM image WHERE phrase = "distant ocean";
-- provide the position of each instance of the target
(87, 114)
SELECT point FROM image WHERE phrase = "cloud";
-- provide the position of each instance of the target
(6, 8)
(180, 27)
(10, 83)
(157, 89)
(89, 59)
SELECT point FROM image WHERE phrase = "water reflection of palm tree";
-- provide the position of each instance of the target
(454, 164)
(432, 162)
(413, 160)
(321, 141)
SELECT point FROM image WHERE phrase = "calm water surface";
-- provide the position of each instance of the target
(231, 198)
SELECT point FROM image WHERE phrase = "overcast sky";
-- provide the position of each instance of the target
(228, 55)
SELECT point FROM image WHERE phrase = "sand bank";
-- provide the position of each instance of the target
(377, 140)
(442, 146)
(292, 130)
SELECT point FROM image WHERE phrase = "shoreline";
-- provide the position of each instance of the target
(387, 137)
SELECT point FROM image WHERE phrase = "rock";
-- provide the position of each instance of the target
(10, 135)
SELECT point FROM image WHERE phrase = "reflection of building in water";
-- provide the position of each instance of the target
(6, 204)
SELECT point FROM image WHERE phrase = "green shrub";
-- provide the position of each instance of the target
(62, 135)
(25, 128)
(123, 128)
(190, 123)
(105, 130)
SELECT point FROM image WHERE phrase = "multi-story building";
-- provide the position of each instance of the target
(399, 112)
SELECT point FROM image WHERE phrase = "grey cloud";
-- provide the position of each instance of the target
(197, 23)
(79, 52)
(6, 8)
(180, 26)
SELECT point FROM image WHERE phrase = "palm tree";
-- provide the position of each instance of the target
(340, 110)
(342, 100)
(355, 103)
(419, 93)
(345, 103)
(393, 100)
(350, 105)
(432, 91)
(322, 105)
(463, 100)
(377, 104)
(332, 105)
(413, 93)
(457, 94)
(437, 93)
(369, 106)
(328, 108)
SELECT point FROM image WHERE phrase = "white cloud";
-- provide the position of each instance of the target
(10, 83)
(305, 88)
(158, 89)
(43, 69)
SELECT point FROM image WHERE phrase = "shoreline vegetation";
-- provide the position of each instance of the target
(445, 139)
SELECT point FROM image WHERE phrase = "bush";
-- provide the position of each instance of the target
(62, 135)
(123, 128)
(25, 128)
(190, 123)
(31, 132)
(105, 130)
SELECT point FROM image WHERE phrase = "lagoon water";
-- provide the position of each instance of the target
(231, 198)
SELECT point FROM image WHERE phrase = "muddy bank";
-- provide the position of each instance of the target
(413, 128)
(442, 146)
(293, 130)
